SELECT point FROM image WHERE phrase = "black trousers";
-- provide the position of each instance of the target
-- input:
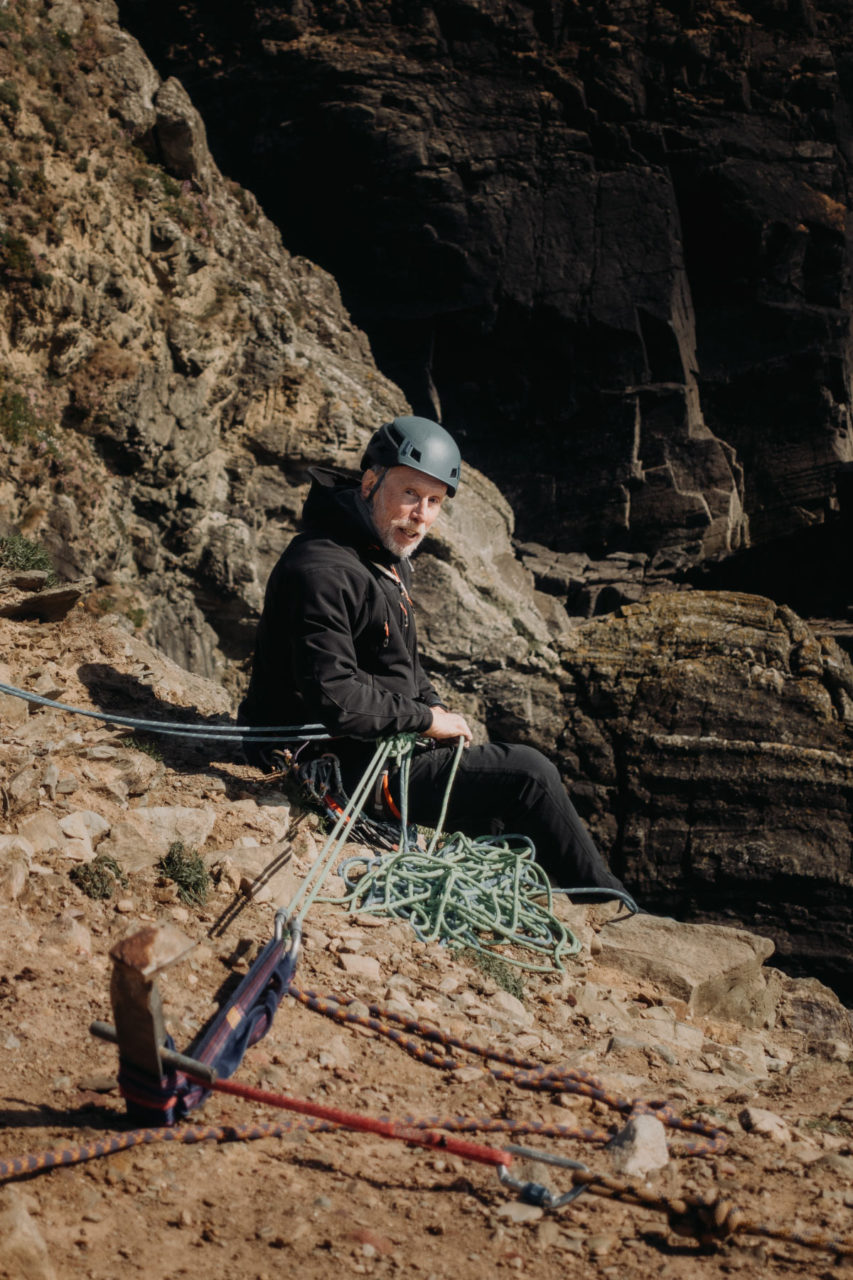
(508, 788)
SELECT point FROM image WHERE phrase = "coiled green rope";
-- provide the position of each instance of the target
(476, 893)
(464, 893)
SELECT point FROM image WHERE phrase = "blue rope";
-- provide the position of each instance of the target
(178, 729)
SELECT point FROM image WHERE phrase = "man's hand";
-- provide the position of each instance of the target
(447, 724)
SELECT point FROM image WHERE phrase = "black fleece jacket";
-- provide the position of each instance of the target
(336, 642)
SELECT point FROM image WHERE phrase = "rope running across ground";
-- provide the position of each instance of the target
(207, 732)
(708, 1221)
(524, 1073)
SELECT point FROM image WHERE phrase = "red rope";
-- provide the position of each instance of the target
(367, 1124)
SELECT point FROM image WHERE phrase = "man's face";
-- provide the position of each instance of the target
(403, 507)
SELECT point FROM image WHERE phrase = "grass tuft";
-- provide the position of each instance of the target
(98, 878)
(18, 552)
(148, 746)
(187, 869)
(506, 977)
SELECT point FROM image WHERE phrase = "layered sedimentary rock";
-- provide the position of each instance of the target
(168, 370)
(709, 736)
(610, 242)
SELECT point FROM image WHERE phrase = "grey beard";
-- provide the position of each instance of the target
(403, 554)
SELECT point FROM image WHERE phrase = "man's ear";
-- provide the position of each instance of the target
(369, 480)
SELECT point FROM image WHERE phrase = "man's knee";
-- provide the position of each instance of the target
(530, 763)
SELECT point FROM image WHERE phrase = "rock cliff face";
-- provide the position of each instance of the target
(611, 242)
(168, 373)
(707, 742)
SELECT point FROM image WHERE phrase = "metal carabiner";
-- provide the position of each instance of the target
(534, 1192)
(294, 927)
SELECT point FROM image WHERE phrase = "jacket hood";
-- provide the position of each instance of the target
(334, 507)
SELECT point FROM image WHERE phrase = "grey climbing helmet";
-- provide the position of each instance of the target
(418, 443)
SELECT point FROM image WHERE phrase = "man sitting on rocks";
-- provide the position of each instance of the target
(337, 644)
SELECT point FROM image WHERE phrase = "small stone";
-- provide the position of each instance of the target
(510, 1005)
(84, 825)
(67, 932)
(469, 1075)
(25, 1253)
(16, 845)
(765, 1123)
(14, 874)
(13, 711)
(832, 1050)
(312, 937)
(47, 685)
(600, 1244)
(125, 906)
(640, 1148)
(79, 850)
(363, 966)
(548, 1233)
(43, 831)
(49, 780)
(98, 1083)
(518, 1211)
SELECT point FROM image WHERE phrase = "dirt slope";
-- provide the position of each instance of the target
(314, 1202)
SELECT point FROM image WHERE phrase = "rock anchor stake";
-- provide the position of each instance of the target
(137, 1008)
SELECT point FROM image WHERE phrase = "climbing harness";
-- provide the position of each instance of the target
(320, 786)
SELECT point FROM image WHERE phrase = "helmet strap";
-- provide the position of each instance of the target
(371, 494)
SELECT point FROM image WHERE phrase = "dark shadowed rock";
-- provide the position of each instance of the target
(611, 245)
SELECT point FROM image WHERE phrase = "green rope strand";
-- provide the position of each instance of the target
(401, 746)
(479, 894)
(460, 746)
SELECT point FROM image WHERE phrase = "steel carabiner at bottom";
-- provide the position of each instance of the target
(534, 1192)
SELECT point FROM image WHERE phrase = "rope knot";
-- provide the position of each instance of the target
(707, 1222)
